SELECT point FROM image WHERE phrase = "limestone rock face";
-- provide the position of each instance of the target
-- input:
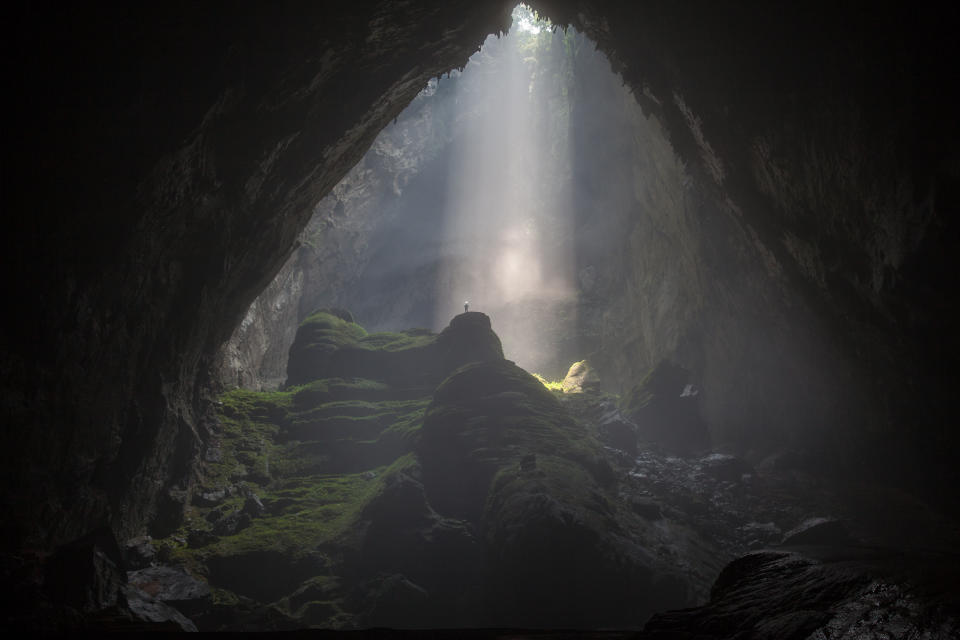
(198, 208)
(579, 376)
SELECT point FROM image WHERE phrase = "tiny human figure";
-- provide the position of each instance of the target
(466, 306)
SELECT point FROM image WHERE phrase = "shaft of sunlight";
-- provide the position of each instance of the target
(509, 246)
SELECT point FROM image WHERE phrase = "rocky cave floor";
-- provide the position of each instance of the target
(471, 496)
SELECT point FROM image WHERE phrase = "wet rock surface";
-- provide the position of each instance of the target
(833, 592)
(173, 586)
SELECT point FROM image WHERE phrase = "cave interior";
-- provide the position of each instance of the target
(239, 392)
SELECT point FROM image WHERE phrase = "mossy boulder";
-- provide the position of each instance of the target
(468, 338)
(665, 409)
(328, 346)
(490, 416)
(500, 451)
(580, 377)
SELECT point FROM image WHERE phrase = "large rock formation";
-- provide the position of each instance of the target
(424, 483)
(499, 451)
(328, 346)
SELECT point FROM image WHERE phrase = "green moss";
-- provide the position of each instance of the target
(314, 393)
(256, 405)
(326, 328)
(410, 339)
(490, 417)
(552, 385)
(249, 422)
(317, 511)
(317, 454)
(305, 508)
(311, 394)
(319, 338)
(408, 421)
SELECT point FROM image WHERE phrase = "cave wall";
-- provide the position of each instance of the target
(667, 266)
(822, 136)
(164, 159)
(360, 218)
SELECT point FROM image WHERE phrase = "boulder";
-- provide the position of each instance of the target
(158, 614)
(468, 338)
(209, 498)
(174, 586)
(232, 524)
(486, 417)
(139, 552)
(665, 409)
(787, 594)
(320, 336)
(327, 346)
(579, 377)
(498, 450)
(252, 506)
(197, 538)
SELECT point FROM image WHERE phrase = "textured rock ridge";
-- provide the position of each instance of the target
(841, 593)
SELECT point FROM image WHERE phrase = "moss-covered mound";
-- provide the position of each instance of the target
(492, 416)
(328, 345)
(309, 510)
(385, 500)
(499, 451)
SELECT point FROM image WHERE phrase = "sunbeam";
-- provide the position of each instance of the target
(508, 217)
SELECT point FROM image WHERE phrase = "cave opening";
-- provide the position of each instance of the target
(747, 231)
(507, 184)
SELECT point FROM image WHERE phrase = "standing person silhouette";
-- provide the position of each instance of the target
(466, 306)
